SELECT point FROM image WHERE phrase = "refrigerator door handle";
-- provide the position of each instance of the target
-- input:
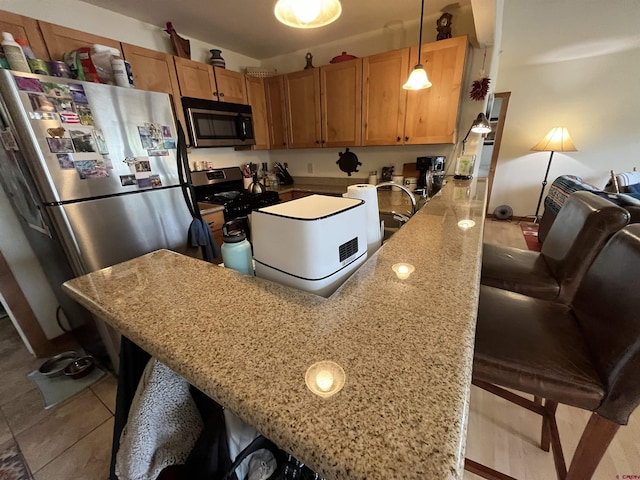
(184, 176)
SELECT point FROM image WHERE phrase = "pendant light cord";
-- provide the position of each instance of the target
(420, 41)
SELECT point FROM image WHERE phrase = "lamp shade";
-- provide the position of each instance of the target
(307, 13)
(418, 79)
(481, 124)
(557, 140)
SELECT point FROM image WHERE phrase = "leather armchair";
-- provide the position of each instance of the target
(584, 224)
(586, 355)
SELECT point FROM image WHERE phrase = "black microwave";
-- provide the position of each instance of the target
(218, 124)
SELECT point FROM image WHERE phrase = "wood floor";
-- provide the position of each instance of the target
(506, 437)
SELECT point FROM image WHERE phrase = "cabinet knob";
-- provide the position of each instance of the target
(215, 94)
(222, 95)
(406, 139)
(317, 141)
(322, 141)
(398, 139)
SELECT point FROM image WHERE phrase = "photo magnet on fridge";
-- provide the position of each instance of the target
(60, 145)
(66, 161)
(28, 84)
(82, 140)
(40, 103)
(127, 180)
(90, 169)
(77, 93)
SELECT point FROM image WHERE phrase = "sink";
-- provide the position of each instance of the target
(392, 223)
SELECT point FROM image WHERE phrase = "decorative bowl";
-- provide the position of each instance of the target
(345, 57)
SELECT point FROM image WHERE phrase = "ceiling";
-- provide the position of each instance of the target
(249, 27)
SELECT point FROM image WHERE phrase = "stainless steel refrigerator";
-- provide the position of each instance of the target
(91, 170)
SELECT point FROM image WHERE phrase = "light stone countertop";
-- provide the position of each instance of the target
(406, 346)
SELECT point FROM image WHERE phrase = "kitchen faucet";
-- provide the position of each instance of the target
(405, 190)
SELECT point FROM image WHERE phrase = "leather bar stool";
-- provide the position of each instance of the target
(583, 225)
(586, 355)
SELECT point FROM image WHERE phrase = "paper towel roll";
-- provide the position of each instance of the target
(368, 193)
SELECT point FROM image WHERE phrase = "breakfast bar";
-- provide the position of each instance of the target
(405, 344)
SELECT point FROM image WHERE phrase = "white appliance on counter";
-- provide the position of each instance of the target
(313, 243)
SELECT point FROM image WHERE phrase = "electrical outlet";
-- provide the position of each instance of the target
(309, 167)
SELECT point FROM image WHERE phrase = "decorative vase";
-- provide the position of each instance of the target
(216, 59)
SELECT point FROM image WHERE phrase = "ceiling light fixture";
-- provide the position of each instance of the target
(307, 13)
(418, 79)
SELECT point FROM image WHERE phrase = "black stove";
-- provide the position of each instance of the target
(225, 187)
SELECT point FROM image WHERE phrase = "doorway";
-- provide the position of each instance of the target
(491, 147)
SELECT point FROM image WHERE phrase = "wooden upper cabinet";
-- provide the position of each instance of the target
(62, 39)
(230, 86)
(155, 71)
(432, 113)
(27, 28)
(276, 111)
(195, 78)
(257, 99)
(383, 99)
(341, 98)
(303, 108)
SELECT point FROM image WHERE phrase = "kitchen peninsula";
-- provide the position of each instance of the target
(406, 345)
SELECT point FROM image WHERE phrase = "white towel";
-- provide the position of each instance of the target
(162, 427)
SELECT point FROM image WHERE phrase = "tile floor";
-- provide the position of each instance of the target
(70, 441)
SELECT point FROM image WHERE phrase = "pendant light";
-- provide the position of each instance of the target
(418, 79)
(307, 13)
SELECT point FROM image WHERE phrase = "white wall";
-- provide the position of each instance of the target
(578, 67)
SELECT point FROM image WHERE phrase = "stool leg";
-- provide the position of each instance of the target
(545, 437)
(593, 444)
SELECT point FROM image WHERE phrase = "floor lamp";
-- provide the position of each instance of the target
(557, 140)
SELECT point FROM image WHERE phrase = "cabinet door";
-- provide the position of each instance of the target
(432, 114)
(195, 78)
(383, 99)
(257, 100)
(27, 28)
(276, 112)
(230, 85)
(62, 39)
(341, 96)
(303, 102)
(154, 71)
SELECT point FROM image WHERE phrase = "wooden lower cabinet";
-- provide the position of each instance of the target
(285, 197)
(300, 194)
(215, 221)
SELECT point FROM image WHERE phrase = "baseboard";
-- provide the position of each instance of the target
(530, 219)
